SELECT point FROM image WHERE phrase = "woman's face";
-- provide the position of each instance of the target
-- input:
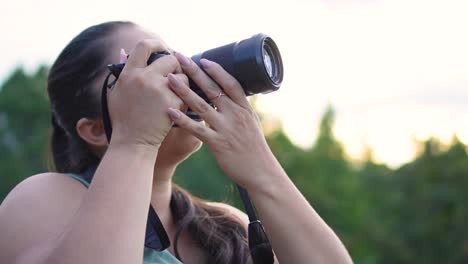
(178, 144)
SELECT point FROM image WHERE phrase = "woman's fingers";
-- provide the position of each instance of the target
(165, 65)
(183, 78)
(209, 87)
(194, 102)
(139, 56)
(198, 129)
(229, 84)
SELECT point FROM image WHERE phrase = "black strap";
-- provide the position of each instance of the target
(259, 245)
(249, 209)
(105, 108)
(156, 236)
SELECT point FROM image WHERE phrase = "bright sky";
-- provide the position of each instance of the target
(395, 70)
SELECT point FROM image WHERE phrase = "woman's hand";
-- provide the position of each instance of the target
(234, 134)
(138, 102)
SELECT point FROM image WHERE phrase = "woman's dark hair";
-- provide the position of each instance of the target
(73, 86)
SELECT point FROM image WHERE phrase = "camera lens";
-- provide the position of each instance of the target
(271, 61)
(267, 62)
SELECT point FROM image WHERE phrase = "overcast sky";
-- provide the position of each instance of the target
(395, 70)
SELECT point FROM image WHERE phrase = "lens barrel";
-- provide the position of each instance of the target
(255, 62)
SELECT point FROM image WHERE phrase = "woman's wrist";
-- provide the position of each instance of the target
(135, 148)
(270, 192)
(268, 180)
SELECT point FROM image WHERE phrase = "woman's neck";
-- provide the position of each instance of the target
(161, 194)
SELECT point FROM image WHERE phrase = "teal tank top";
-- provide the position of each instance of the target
(150, 256)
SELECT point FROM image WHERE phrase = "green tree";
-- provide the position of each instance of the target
(24, 121)
(432, 206)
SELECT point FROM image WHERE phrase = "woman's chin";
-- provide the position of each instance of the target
(177, 146)
(192, 144)
(180, 138)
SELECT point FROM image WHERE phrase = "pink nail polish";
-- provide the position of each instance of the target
(174, 114)
(206, 63)
(123, 56)
(172, 78)
(182, 59)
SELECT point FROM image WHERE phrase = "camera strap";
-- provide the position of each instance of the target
(259, 245)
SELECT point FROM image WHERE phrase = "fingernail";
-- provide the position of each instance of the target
(182, 59)
(172, 79)
(206, 63)
(123, 56)
(173, 113)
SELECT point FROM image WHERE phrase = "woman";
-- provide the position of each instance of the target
(53, 218)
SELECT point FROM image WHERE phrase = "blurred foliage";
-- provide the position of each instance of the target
(414, 214)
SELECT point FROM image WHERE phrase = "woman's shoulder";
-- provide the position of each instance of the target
(45, 185)
(37, 209)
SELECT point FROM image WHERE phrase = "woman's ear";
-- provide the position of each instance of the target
(92, 132)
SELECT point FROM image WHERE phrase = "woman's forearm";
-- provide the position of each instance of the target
(110, 225)
(296, 231)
